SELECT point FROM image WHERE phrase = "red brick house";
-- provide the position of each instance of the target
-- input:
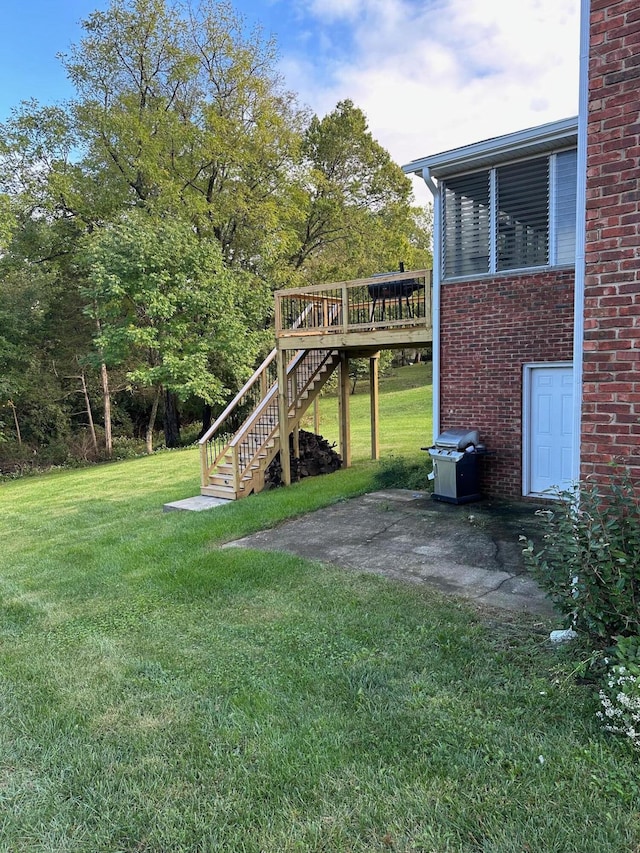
(537, 278)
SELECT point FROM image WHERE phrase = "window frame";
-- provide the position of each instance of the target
(552, 209)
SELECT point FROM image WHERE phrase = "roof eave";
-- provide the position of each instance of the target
(490, 152)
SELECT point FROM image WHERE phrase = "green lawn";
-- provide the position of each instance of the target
(404, 417)
(159, 693)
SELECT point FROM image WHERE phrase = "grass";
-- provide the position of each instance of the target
(161, 693)
(404, 414)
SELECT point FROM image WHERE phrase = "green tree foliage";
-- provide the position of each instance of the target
(37, 345)
(170, 309)
(354, 213)
(7, 221)
(143, 224)
(185, 113)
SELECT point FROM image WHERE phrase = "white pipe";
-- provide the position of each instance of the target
(426, 177)
(581, 224)
(435, 310)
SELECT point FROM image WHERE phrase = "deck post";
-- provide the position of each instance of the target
(373, 394)
(236, 470)
(316, 416)
(283, 417)
(204, 466)
(345, 308)
(296, 428)
(343, 409)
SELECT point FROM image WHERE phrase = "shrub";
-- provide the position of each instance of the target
(590, 560)
(128, 448)
(400, 473)
(620, 697)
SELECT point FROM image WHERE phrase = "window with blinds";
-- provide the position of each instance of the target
(466, 225)
(515, 216)
(523, 214)
(566, 186)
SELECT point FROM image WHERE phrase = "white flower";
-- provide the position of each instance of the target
(621, 704)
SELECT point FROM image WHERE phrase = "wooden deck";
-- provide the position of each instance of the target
(318, 330)
(368, 314)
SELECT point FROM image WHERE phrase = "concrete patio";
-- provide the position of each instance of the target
(470, 550)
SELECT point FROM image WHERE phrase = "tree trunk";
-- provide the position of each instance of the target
(171, 420)
(106, 396)
(87, 403)
(152, 420)
(206, 419)
(15, 420)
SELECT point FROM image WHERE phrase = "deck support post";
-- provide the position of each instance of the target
(296, 441)
(374, 361)
(316, 416)
(343, 410)
(283, 417)
(296, 428)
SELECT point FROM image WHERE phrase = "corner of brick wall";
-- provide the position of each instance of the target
(611, 374)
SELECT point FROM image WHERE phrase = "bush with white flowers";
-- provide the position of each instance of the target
(620, 698)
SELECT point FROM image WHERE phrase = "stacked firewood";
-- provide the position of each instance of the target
(317, 456)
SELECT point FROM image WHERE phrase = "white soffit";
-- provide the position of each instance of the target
(490, 152)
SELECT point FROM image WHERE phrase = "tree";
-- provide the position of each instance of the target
(185, 113)
(169, 309)
(354, 215)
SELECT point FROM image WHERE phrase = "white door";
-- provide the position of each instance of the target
(550, 428)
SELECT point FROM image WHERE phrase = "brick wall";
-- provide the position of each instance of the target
(489, 330)
(611, 389)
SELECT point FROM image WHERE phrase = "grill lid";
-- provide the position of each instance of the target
(458, 438)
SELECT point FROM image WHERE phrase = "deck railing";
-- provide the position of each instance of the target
(393, 300)
(216, 439)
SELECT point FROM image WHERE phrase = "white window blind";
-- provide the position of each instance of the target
(565, 206)
(523, 214)
(466, 225)
(516, 216)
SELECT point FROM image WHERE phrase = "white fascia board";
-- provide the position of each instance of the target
(532, 140)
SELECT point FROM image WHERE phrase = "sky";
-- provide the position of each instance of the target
(430, 75)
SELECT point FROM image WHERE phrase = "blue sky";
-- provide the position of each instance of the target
(429, 74)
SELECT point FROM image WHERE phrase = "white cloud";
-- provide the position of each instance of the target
(349, 10)
(433, 76)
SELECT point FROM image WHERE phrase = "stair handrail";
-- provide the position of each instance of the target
(292, 404)
(249, 383)
(259, 409)
(241, 393)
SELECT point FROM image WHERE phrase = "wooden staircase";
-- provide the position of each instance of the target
(236, 451)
